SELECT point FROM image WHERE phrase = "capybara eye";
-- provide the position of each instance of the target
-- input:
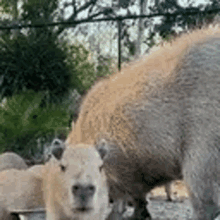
(63, 168)
(91, 188)
(75, 188)
(111, 200)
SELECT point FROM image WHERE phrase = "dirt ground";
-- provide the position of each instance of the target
(178, 209)
(161, 209)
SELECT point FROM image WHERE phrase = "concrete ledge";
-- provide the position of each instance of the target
(35, 214)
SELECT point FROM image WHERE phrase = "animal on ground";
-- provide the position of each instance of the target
(20, 190)
(20, 186)
(159, 118)
(75, 187)
(38, 170)
(10, 160)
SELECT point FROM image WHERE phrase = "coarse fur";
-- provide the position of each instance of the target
(10, 160)
(160, 118)
(20, 190)
(38, 170)
(76, 187)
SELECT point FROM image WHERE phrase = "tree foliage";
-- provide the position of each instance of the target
(88, 71)
(37, 70)
(23, 121)
(184, 20)
(37, 63)
(37, 11)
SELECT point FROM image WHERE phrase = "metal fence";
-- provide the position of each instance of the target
(117, 19)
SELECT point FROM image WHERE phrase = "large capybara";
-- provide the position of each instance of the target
(76, 186)
(10, 160)
(160, 119)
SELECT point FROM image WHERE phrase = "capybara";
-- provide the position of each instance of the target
(10, 160)
(76, 186)
(160, 119)
(20, 190)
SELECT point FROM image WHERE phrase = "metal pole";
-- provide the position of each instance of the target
(119, 44)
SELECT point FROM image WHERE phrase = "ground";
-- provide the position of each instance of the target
(178, 209)
(160, 209)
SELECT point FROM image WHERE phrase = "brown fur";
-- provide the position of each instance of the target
(178, 191)
(77, 166)
(20, 190)
(157, 85)
(38, 170)
(102, 109)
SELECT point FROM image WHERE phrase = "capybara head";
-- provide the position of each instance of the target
(76, 183)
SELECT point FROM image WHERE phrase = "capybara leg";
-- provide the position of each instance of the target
(140, 211)
(201, 179)
(168, 191)
(119, 207)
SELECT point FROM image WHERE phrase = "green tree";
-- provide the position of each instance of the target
(184, 20)
(40, 61)
(23, 121)
(36, 63)
(9, 7)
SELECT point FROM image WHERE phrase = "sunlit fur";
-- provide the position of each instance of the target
(157, 114)
(102, 109)
(20, 190)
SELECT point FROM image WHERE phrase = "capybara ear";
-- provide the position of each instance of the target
(57, 142)
(57, 148)
(57, 152)
(102, 148)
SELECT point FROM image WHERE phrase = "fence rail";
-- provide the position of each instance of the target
(119, 19)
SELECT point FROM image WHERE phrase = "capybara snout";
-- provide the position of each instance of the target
(83, 194)
(83, 191)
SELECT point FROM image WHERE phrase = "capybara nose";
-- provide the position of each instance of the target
(83, 191)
